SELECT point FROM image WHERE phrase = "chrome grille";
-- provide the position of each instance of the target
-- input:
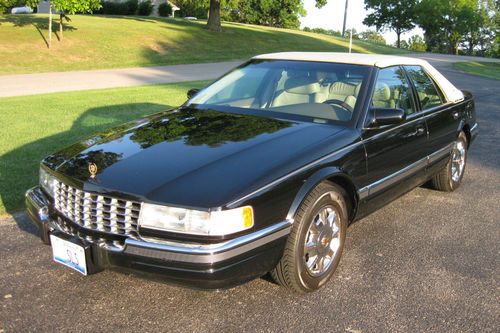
(97, 212)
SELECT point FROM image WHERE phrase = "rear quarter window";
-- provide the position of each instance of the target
(428, 93)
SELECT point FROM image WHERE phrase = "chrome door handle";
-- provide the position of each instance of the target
(455, 115)
(418, 131)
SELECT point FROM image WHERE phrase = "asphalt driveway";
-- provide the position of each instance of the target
(427, 262)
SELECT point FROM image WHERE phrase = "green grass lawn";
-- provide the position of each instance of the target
(96, 42)
(486, 69)
(34, 126)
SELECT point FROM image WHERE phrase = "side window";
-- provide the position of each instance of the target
(428, 94)
(392, 90)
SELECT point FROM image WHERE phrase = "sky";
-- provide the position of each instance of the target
(331, 16)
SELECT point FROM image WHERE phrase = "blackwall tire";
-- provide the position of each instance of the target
(315, 244)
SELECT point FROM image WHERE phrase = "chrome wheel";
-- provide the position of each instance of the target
(457, 160)
(322, 241)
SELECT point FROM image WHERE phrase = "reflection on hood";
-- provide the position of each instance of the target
(204, 127)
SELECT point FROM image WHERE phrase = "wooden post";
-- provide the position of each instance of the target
(50, 24)
(61, 16)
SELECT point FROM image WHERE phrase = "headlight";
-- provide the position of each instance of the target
(195, 222)
(47, 182)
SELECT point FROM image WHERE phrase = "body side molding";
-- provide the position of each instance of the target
(391, 179)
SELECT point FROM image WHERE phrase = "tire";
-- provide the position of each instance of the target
(300, 267)
(450, 177)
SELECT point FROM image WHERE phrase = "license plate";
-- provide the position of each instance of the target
(69, 254)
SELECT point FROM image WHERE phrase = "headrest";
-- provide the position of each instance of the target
(342, 88)
(295, 73)
(301, 85)
(326, 77)
(358, 88)
(382, 92)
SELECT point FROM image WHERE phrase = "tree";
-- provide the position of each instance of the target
(482, 28)
(66, 7)
(6, 5)
(372, 36)
(416, 43)
(355, 34)
(447, 22)
(213, 23)
(282, 13)
(395, 15)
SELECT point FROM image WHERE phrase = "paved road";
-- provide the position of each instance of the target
(41, 83)
(427, 262)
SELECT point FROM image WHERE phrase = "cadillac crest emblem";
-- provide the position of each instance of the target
(92, 170)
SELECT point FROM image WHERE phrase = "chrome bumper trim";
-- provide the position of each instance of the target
(37, 198)
(209, 253)
(175, 251)
(474, 130)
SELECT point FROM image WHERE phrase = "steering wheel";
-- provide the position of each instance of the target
(340, 103)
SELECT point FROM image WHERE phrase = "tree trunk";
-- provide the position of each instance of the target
(213, 23)
(50, 24)
(399, 39)
(454, 46)
(61, 17)
(428, 42)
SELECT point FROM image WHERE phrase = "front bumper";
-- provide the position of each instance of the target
(204, 266)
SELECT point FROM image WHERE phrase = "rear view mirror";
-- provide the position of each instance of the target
(387, 116)
(192, 92)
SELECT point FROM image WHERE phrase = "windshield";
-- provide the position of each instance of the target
(327, 91)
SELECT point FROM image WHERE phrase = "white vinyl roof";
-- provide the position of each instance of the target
(451, 93)
(378, 60)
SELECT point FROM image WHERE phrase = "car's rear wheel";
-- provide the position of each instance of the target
(315, 244)
(450, 177)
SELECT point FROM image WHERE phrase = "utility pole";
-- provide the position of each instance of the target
(345, 17)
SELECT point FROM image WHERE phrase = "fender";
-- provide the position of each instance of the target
(309, 184)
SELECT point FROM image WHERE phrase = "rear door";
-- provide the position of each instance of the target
(442, 118)
(396, 154)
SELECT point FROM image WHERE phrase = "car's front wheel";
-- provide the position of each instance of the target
(450, 177)
(316, 241)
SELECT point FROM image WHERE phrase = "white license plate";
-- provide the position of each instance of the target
(69, 254)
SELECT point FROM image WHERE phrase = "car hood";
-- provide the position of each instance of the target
(192, 158)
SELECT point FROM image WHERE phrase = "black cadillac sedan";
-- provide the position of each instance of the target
(261, 171)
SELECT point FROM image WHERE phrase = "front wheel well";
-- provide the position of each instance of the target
(352, 198)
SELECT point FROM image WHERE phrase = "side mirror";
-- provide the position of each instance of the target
(192, 92)
(386, 116)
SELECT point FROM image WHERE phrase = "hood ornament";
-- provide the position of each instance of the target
(92, 170)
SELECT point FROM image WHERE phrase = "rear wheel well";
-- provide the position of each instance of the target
(351, 195)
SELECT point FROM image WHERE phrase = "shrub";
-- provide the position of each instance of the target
(145, 8)
(7, 5)
(165, 9)
(197, 9)
(114, 8)
(132, 6)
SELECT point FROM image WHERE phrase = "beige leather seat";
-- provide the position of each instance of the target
(298, 90)
(346, 92)
(382, 96)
